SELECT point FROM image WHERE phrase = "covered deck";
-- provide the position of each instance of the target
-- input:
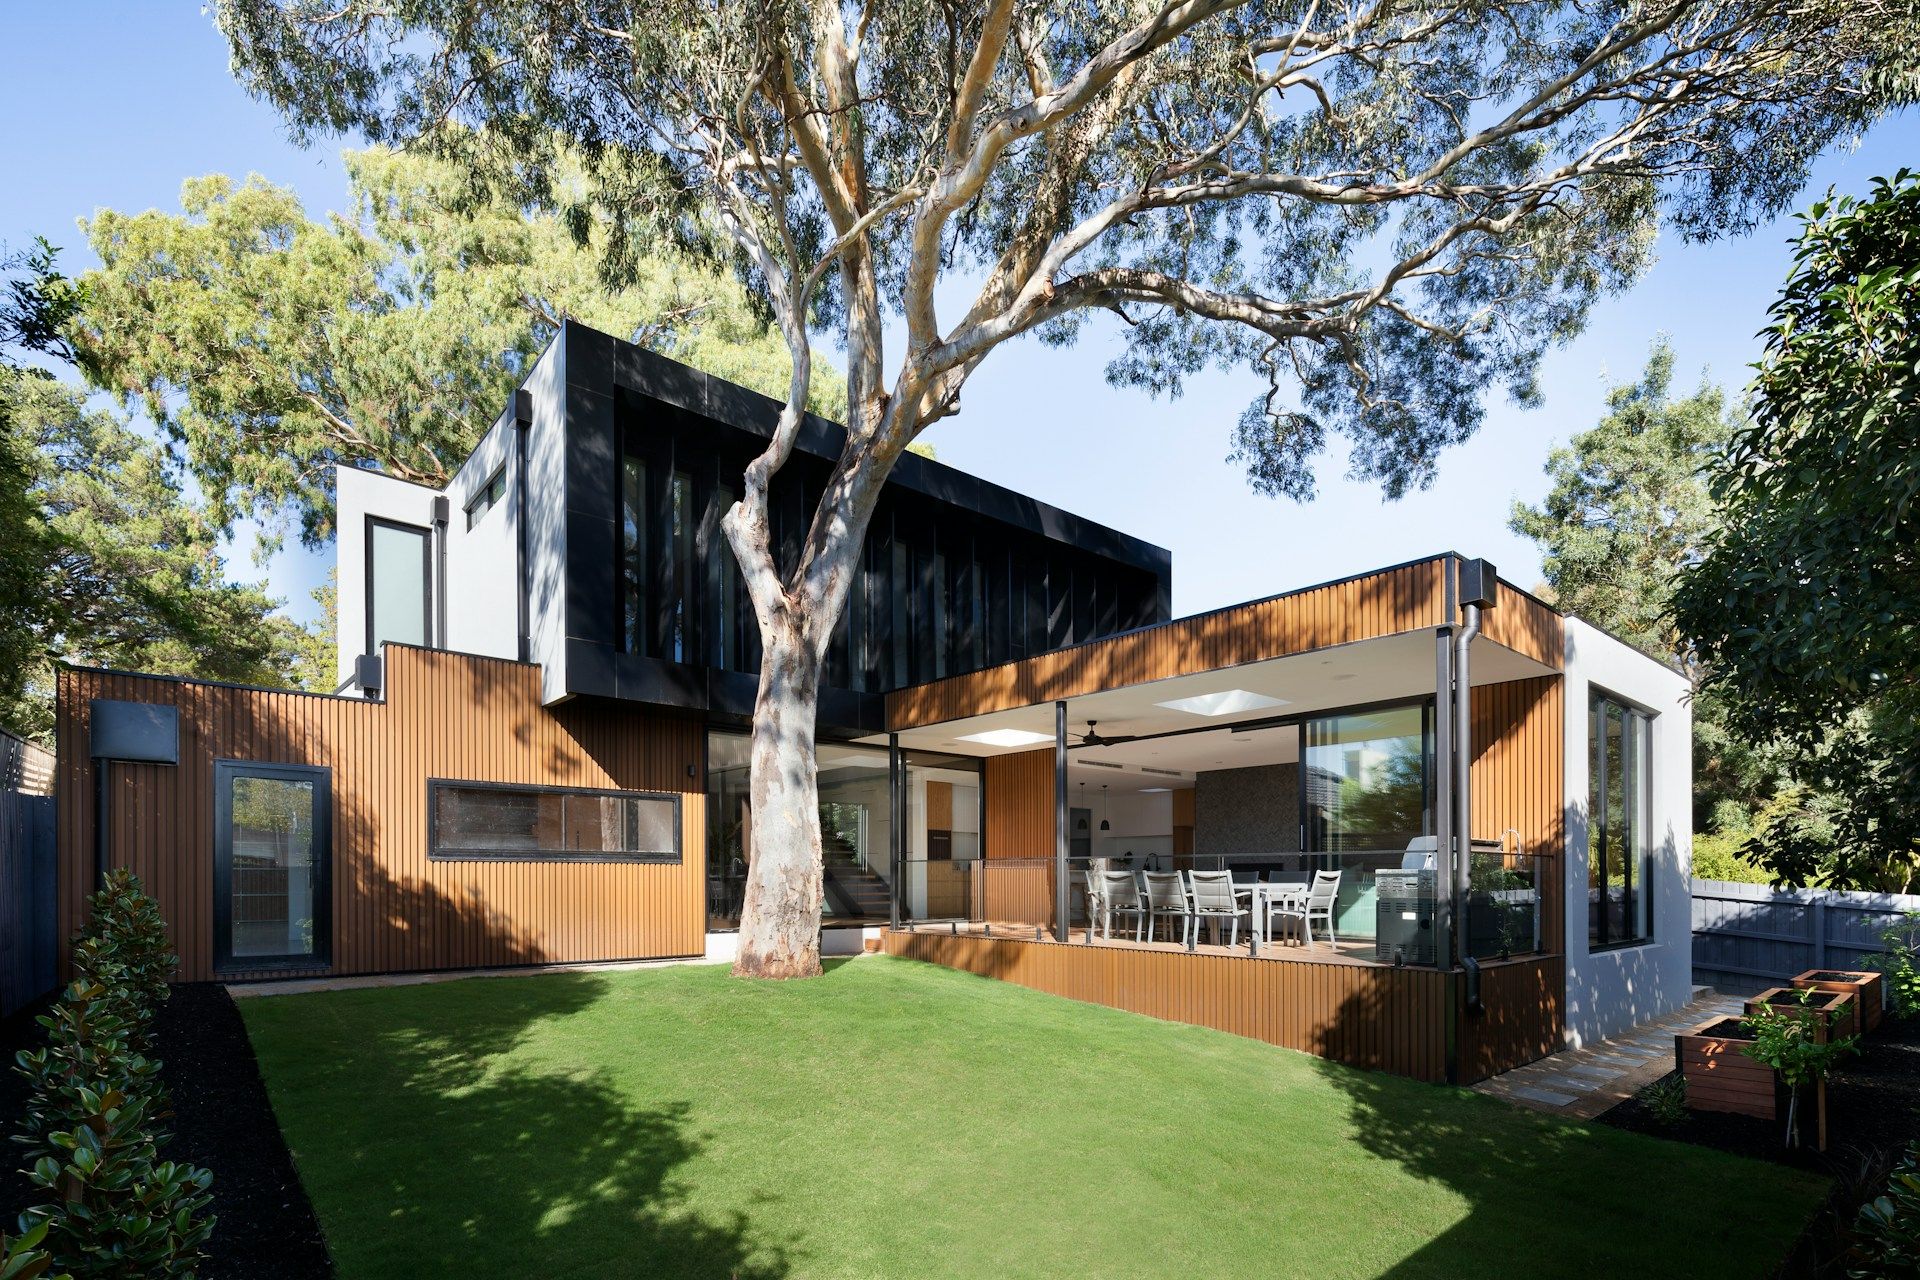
(1380, 805)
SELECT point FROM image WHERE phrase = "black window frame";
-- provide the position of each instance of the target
(487, 497)
(426, 577)
(224, 772)
(1639, 768)
(435, 854)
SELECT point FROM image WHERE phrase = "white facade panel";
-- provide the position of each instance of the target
(483, 600)
(1611, 990)
(359, 495)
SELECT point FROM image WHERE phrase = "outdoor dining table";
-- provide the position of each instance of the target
(1261, 895)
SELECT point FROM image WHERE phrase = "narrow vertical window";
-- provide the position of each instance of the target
(633, 552)
(399, 583)
(1619, 906)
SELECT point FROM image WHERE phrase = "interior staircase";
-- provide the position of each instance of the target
(851, 889)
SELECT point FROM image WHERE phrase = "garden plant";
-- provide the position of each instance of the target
(92, 1124)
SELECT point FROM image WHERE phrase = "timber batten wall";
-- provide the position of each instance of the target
(446, 715)
(1380, 1018)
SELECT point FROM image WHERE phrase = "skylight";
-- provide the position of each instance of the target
(1006, 738)
(1227, 703)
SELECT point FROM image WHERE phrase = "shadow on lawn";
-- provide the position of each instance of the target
(1552, 1196)
(536, 1173)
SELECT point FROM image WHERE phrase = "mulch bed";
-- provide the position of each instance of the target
(221, 1121)
(1873, 1112)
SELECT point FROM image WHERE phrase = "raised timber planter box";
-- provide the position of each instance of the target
(1719, 1076)
(1865, 986)
(1834, 1012)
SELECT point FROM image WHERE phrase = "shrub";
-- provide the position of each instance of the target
(1899, 960)
(119, 1210)
(1886, 1236)
(22, 1258)
(92, 1122)
(1667, 1100)
(86, 1050)
(1718, 857)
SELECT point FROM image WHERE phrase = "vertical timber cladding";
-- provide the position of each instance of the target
(1017, 866)
(446, 716)
(1369, 1016)
(1391, 601)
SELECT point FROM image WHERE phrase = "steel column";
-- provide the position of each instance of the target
(1061, 907)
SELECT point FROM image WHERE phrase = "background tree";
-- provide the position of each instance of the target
(1805, 607)
(270, 346)
(121, 569)
(1384, 209)
(1626, 511)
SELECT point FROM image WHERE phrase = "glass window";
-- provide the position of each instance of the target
(633, 551)
(1618, 903)
(1367, 779)
(397, 584)
(271, 849)
(487, 497)
(856, 835)
(476, 820)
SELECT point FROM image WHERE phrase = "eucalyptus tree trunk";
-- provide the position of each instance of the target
(780, 918)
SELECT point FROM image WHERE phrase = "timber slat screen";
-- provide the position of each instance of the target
(1379, 1018)
(445, 716)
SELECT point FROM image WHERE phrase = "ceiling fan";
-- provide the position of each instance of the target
(1092, 737)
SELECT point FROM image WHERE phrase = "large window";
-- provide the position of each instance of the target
(484, 820)
(1618, 901)
(942, 835)
(271, 850)
(399, 572)
(1367, 779)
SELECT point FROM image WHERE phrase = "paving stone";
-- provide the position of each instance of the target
(1552, 1097)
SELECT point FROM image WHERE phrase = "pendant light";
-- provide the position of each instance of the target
(1105, 824)
(1082, 824)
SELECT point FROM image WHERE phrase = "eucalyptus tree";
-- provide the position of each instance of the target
(270, 346)
(1384, 209)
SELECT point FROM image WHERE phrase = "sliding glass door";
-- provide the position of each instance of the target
(272, 850)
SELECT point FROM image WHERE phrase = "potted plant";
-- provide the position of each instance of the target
(1799, 1054)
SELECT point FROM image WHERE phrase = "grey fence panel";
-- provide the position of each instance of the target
(27, 943)
(1747, 937)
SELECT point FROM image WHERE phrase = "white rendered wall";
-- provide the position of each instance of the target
(547, 522)
(483, 606)
(359, 493)
(1611, 990)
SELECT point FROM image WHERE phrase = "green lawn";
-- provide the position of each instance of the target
(896, 1119)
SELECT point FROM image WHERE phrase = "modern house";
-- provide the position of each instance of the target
(1468, 815)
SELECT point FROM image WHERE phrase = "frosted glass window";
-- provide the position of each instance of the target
(397, 590)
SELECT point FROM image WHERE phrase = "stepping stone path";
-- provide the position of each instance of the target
(1586, 1081)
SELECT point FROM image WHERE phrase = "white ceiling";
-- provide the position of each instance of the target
(1369, 671)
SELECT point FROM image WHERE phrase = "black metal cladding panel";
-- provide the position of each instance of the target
(673, 383)
(593, 578)
(654, 680)
(138, 731)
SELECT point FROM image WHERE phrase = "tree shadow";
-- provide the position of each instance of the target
(1550, 1195)
(457, 1162)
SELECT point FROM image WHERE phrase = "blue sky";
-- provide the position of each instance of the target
(159, 106)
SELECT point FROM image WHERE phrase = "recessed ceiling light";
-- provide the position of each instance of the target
(1148, 791)
(1226, 703)
(1006, 738)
